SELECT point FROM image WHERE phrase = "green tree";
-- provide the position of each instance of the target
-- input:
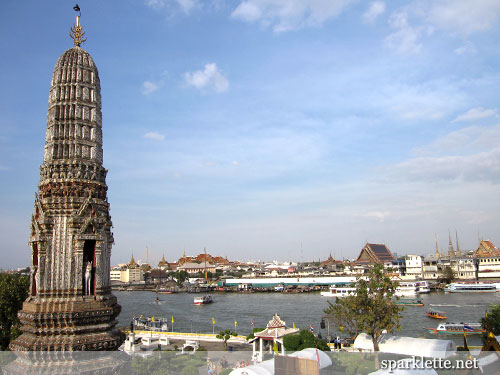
(448, 275)
(302, 340)
(225, 335)
(13, 292)
(372, 306)
(180, 276)
(342, 314)
(492, 320)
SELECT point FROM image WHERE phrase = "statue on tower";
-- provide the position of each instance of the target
(88, 278)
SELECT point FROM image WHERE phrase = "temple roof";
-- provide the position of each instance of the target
(132, 262)
(375, 253)
(276, 328)
(162, 262)
(486, 249)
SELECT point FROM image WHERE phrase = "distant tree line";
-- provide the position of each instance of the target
(13, 292)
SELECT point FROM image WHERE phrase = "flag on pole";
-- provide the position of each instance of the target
(311, 328)
(294, 325)
(275, 347)
(468, 328)
(213, 321)
(252, 323)
(153, 318)
(172, 318)
(235, 324)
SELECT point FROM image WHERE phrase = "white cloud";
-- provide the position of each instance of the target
(235, 163)
(375, 9)
(154, 136)
(286, 15)
(466, 48)
(187, 5)
(477, 113)
(465, 141)
(483, 166)
(467, 155)
(465, 16)
(155, 4)
(430, 100)
(149, 87)
(406, 38)
(209, 78)
(247, 11)
(378, 215)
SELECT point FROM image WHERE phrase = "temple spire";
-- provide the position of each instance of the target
(451, 250)
(436, 254)
(459, 253)
(76, 31)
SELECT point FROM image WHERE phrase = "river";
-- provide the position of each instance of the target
(304, 309)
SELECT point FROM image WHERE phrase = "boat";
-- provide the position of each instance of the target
(409, 302)
(165, 292)
(339, 291)
(203, 300)
(406, 290)
(435, 314)
(471, 287)
(470, 328)
(423, 287)
(150, 324)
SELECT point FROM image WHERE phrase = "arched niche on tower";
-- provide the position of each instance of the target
(88, 262)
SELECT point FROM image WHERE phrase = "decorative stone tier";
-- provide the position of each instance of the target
(84, 325)
(69, 363)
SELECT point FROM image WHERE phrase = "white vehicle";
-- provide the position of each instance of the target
(423, 287)
(471, 287)
(203, 300)
(407, 290)
(339, 291)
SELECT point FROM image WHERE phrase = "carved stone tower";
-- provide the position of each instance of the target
(70, 305)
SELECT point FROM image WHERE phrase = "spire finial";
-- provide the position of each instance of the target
(76, 31)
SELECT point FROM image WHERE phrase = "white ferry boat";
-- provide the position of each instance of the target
(457, 328)
(203, 300)
(150, 324)
(423, 287)
(407, 290)
(339, 291)
(471, 287)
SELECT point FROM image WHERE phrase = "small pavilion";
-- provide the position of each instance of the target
(275, 331)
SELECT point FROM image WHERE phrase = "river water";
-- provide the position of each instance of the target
(304, 309)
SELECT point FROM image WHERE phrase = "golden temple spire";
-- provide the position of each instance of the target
(76, 31)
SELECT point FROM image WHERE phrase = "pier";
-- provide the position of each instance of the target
(208, 337)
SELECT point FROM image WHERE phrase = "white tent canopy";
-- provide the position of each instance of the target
(430, 348)
(310, 353)
(263, 368)
(267, 367)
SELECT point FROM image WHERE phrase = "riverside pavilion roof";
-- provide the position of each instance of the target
(276, 328)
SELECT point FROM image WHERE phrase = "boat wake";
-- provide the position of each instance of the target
(445, 305)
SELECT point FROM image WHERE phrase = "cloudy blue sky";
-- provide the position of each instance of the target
(268, 129)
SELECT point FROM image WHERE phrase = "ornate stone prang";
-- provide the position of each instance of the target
(70, 305)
